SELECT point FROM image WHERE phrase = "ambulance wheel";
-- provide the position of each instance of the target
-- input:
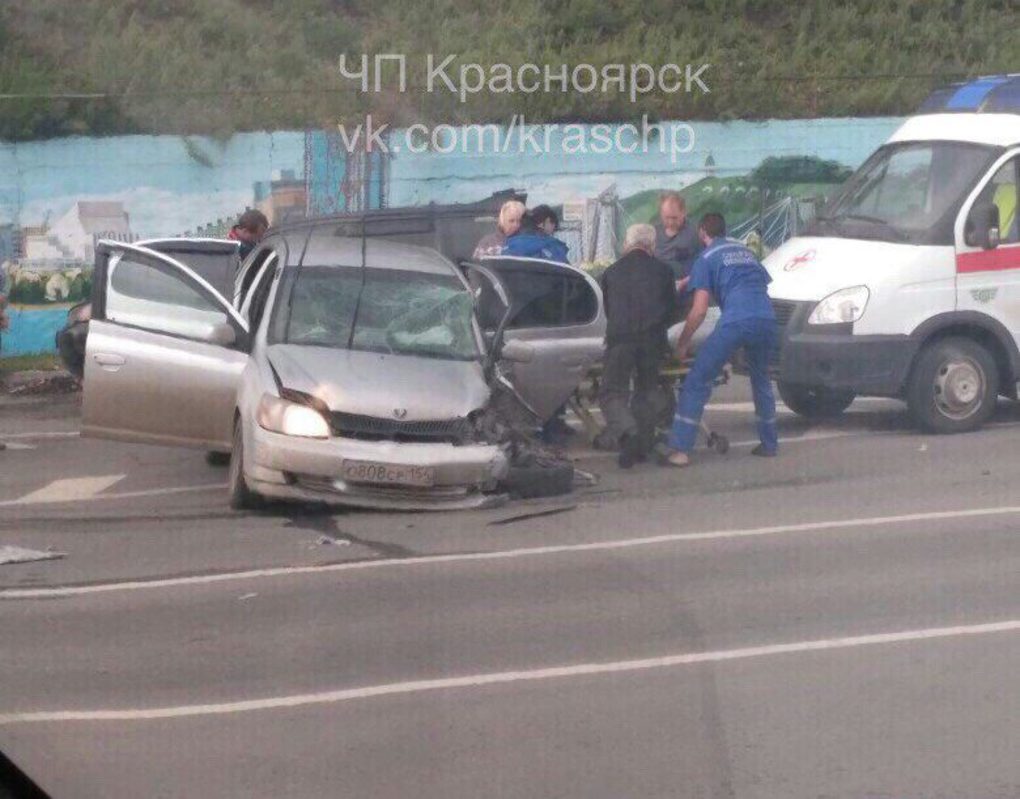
(240, 496)
(953, 386)
(815, 402)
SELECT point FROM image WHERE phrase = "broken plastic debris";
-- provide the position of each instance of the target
(248, 596)
(326, 540)
(12, 554)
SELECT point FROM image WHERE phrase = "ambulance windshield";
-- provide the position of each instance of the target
(907, 192)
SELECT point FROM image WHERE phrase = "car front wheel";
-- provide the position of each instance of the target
(240, 496)
(954, 386)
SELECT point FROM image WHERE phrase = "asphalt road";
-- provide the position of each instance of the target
(843, 621)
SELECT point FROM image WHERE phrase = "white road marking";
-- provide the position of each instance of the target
(811, 435)
(507, 677)
(149, 492)
(14, 445)
(70, 489)
(748, 407)
(504, 554)
(48, 434)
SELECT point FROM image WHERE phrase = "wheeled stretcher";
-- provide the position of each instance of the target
(671, 378)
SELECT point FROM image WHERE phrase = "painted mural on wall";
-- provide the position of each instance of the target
(58, 198)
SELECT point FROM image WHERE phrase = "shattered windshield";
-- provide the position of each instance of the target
(906, 192)
(380, 310)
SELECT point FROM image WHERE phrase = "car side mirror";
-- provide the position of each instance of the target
(516, 351)
(222, 334)
(983, 226)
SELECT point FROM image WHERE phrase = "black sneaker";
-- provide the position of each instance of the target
(628, 451)
(761, 452)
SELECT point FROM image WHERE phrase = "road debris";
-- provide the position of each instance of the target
(328, 540)
(533, 515)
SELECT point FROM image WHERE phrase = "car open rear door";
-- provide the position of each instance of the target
(164, 352)
(557, 309)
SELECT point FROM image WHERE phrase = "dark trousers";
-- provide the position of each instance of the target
(630, 384)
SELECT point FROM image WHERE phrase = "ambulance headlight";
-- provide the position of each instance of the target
(845, 305)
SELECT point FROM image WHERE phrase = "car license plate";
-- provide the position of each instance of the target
(388, 473)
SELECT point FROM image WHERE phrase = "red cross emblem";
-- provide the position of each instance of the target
(799, 260)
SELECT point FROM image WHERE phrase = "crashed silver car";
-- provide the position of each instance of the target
(336, 368)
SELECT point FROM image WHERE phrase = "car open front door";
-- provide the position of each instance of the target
(217, 261)
(164, 353)
(557, 309)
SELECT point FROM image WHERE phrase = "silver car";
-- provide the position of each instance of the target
(332, 368)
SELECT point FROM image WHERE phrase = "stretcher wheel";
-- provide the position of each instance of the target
(719, 443)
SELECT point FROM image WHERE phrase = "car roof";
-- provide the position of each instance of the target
(991, 94)
(325, 248)
(525, 262)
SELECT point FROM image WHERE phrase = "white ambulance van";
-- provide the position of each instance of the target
(907, 284)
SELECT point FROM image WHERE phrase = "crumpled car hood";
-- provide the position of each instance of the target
(380, 385)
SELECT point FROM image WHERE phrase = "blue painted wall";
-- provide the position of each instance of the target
(171, 185)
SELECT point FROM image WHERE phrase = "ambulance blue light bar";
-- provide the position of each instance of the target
(996, 94)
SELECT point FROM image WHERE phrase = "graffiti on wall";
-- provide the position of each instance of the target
(58, 198)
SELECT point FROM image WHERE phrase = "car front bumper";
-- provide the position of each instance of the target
(288, 467)
(869, 365)
(876, 365)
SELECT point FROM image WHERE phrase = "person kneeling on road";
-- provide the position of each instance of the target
(730, 272)
(640, 300)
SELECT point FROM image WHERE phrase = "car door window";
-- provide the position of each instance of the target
(1004, 191)
(149, 296)
(538, 298)
(549, 299)
(580, 303)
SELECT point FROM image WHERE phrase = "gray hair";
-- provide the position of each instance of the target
(641, 237)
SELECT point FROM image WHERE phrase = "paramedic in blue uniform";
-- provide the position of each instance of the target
(731, 273)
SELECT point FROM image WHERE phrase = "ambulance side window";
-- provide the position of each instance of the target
(1004, 192)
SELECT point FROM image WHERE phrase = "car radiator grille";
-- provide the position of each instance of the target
(372, 428)
(784, 311)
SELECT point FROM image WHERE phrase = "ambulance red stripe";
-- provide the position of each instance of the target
(988, 260)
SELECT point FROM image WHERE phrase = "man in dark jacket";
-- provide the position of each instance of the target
(250, 228)
(640, 298)
(676, 240)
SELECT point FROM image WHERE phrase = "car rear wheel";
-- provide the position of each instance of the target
(954, 386)
(240, 496)
(815, 402)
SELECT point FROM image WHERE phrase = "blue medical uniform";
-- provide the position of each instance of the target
(739, 283)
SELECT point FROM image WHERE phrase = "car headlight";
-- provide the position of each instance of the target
(846, 305)
(291, 418)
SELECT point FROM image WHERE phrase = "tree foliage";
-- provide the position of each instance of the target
(219, 66)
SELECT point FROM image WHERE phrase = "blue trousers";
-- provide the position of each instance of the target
(757, 337)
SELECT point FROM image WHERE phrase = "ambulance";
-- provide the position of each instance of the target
(907, 284)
